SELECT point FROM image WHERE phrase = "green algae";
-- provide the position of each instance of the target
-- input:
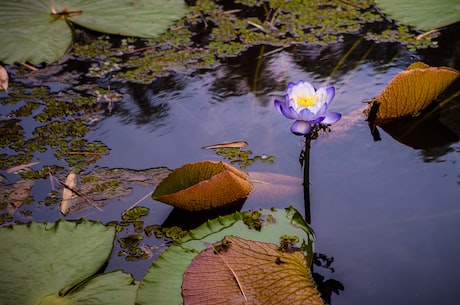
(62, 124)
(214, 30)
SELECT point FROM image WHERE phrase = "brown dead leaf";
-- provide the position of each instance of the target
(3, 78)
(239, 271)
(68, 195)
(237, 144)
(412, 90)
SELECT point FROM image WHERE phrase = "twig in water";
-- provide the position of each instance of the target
(87, 199)
(137, 202)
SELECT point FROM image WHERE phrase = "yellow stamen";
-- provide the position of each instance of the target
(306, 101)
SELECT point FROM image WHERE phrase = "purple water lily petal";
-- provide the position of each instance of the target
(307, 106)
(330, 94)
(289, 112)
(322, 110)
(300, 128)
(306, 115)
(331, 118)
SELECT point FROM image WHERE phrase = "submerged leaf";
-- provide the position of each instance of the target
(162, 283)
(412, 90)
(424, 15)
(203, 185)
(56, 262)
(249, 272)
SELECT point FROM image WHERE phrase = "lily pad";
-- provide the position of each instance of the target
(412, 90)
(38, 30)
(163, 281)
(57, 263)
(203, 185)
(424, 15)
(241, 271)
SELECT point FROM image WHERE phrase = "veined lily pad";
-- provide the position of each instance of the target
(37, 30)
(56, 263)
(412, 90)
(240, 271)
(163, 281)
(424, 15)
(203, 185)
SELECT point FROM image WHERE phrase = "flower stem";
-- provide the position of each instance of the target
(306, 177)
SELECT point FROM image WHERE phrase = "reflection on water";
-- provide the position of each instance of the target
(362, 192)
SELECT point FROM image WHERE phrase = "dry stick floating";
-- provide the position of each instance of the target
(240, 286)
(87, 199)
(137, 202)
(28, 66)
(84, 153)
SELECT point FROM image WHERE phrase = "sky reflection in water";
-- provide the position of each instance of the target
(387, 215)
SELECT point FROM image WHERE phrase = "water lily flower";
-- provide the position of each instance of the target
(307, 106)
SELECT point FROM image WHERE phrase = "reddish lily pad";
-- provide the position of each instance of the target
(240, 271)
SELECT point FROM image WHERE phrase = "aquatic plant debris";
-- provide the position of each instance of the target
(3, 78)
(38, 31)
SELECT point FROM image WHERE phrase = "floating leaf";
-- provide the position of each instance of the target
(162, 283)
(56, 264)
(3, 78)
(424, 15)
(37, 30)
(248, 272)
(203, 185)
(237, 144)
(412, 90)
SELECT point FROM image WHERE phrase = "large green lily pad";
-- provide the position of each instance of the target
(163, 281)
(38, 31)
(423, 14)
(57, 263)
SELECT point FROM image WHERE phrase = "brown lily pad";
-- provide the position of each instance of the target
(412, 90)
(203, 185)
(240, 271)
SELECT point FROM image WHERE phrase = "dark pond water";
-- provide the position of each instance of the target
(386, 211)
